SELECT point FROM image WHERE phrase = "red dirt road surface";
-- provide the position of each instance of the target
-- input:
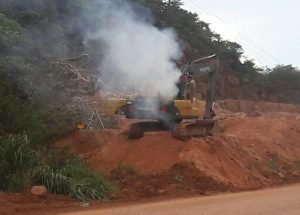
(276, 201)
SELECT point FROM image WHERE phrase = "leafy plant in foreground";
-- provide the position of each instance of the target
(17, 161)
(75, 181)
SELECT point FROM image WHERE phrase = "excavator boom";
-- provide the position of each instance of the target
(206, 126)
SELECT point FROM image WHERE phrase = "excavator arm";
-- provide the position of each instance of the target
(206, 125)
(206, 66)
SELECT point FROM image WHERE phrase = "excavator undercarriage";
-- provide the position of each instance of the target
(182, 131)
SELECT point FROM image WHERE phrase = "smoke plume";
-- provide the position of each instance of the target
(135, 55)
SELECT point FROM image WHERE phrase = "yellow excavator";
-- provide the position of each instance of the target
(180, 116)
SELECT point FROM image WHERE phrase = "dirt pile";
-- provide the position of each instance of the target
(181, 179)
(250, 153)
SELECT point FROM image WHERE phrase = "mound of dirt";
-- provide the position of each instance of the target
(181, 179)
(250, 153)
(83, 142)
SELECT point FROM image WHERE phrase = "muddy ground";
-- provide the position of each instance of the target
(255, 149)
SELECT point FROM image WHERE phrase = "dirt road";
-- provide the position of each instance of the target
(275, 201)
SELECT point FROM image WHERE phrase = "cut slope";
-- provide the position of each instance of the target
(250, 153)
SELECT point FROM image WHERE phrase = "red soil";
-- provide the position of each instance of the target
(250, 152)
(258, 149)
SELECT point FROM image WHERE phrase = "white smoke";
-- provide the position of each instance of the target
(135, 51)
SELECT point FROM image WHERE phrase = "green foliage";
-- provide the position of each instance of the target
(287, 77)
(122, 171)
(75, 181)
(192, 30)
(284, 82)
(188, 25)
(68, 175)
(60, 172)
(274, 166)
(9, 31)
(28, 103)
(125, 168)
(18, 115)
(178, 178)
(17, 161)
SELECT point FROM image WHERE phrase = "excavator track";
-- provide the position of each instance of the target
(182, 131)
(198, 128)
(137, 130)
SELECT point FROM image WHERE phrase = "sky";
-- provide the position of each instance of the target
(268, 30)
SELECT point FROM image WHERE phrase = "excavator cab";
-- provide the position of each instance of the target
(204, 125)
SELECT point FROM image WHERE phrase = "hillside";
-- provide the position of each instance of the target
(37, 33)
(255, 150)
(54, 53)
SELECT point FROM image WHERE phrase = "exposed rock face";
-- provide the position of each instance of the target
(39, 191)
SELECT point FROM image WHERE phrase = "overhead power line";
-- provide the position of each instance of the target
(259, 47)
(242, 38)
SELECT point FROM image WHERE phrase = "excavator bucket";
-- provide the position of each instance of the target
(198, 128)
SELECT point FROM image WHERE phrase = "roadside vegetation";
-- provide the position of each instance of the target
(17, 163)
(22, 166)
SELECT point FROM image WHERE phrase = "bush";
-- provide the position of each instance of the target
(9, 31)
(17, 161)
(74, 181)
(67, 175)
(60, 172)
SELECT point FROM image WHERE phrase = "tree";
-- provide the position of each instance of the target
(9, 31)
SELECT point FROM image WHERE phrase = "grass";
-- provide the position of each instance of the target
(68, 175)
(74, 181)
(273, 165)
(178, 178)
(17, 161)
(62, 173)
(123, 170)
